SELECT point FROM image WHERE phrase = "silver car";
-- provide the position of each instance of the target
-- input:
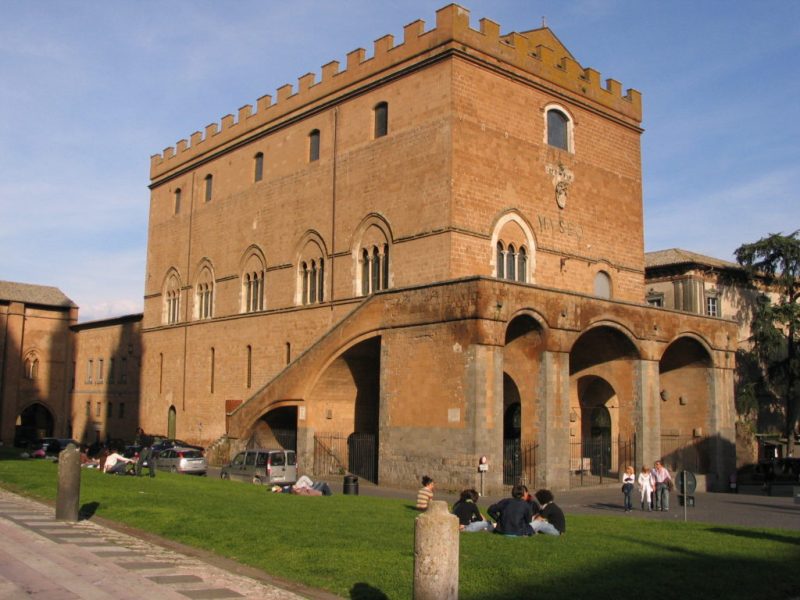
(182, 460)
(263, 467)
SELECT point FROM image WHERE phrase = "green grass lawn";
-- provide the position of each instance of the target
(361, 546)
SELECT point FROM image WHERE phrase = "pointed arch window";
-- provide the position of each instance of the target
(31, 367)
(374, 269)
(311, 275)
(204, 304)
(522, 268)
(511, 263)
(172, 300)
(501, 261)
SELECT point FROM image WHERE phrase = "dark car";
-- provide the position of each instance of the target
(166, 444)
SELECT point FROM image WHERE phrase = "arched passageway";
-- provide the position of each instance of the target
(276, 429)
(524, 343)
(602, 424)
(686, 378)
(36, 421)
(344, 412)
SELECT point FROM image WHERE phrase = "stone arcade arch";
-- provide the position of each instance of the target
(36, 421)
(524, 342)
(602, 412)
(686, 378)
(345, 405)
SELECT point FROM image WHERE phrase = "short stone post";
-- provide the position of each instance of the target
(436, 554)
(69, 484)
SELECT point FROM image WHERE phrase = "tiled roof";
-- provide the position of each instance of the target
(676, 256)
(34, 294)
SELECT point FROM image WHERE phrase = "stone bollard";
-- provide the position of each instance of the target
(436, 554)
(68, 495)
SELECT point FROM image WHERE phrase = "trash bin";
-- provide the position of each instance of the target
(350, 486)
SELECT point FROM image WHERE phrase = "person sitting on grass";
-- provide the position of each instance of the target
(513, 515)
(550, 519)
(116, 464)
(468, 513)
(425, 493)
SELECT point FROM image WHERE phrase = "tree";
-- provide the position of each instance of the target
(775, 260)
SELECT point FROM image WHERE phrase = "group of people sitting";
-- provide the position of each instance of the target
(522, 514)
(304, 486)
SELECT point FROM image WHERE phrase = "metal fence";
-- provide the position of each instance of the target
(689, 453)
(337, 453)
(600, 460)
(519, 462)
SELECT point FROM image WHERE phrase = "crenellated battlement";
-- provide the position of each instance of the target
(533, 54)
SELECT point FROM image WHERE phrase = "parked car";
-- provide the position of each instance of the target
(165, 444)
(182, 460)
(262, 466)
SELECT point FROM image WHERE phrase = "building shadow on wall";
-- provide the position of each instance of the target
(713, 456)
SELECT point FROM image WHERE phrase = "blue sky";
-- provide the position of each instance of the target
(91, 89)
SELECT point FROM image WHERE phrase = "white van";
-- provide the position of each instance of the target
(263, 467)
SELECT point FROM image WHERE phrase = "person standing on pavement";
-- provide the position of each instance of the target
(646, 488)
(628, 479)
(662, 481)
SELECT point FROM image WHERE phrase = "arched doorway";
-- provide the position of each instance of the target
(36, 421)
(172, 417)
(600, 441)
(512, 429)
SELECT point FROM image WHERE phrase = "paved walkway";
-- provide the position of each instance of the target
(41, 558)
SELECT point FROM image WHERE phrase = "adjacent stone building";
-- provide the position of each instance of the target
(36, 362)
(425, 257)
(105, 392)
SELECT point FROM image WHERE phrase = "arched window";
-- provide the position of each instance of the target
(602, 285)
(365, 270)
(511, 263)
(385, 271)
(375, 283)
(253, 276)
(259, 167)
(522, 265)
(313, 146)
(558, 129)
(311, 272)
(209, 187)
(31, 367)
(381, 119)
(204, 294)
(501, 262)
(172, 299)
(177, 207)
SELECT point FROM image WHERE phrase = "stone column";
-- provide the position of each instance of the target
(647, 404)
(68, 495)
(436, 554)
(722, 420)
(554, 441)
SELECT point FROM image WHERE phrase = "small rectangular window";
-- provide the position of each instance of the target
(98, 409)
(100, 370)
(712, 306)
(121, 410)
(381, 119)
(178, 201)
(111, 365)
(313, 146)
(88, 408)
(259, 166)
(89, 371)
(110, 410)
(123, 371)
(209, 187)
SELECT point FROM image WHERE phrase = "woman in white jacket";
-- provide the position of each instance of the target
(646, 487)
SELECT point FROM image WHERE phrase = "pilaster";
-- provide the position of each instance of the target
(554, 442)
